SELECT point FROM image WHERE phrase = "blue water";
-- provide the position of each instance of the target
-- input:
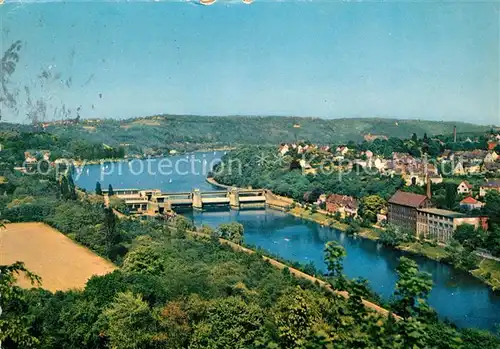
(170, 174)
(456, 295)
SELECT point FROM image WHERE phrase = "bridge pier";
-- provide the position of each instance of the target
(234, 198)
(197, 202)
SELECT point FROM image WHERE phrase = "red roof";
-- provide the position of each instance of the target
(469, 200)
(492, 145)
(407, 199)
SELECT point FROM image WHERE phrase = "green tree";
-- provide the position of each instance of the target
(64, 186)
(67, 187)
(460, 256)
(392, 235)
(229, 323)
(451, 201)
(144, 258)
(14, 324)
(110, 190)
(370, 206)
(176, 323)
(128, 322)
(294, 315)
(411, 334)
(209, 231)
(232, 231)
(469, 236)
(412, 288)
(334, 255)
(493, 240)
(182, 226)
(111, 233)
(98, 189)
(71, 187)
(492, 206)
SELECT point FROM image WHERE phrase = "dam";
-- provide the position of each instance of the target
(154, 201)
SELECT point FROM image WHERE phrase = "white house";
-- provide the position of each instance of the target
(464, 188)
(491, 157)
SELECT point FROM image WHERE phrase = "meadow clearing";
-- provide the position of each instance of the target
(60, 262)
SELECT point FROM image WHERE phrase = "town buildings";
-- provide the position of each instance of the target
(474, 162)
(493, 184)
(344, 204)
(402, 209)
(439, 225)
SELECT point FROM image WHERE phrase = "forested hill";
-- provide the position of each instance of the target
(169, 131)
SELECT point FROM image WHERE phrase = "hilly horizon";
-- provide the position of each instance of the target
(189, 132)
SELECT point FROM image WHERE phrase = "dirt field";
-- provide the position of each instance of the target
(60, 262)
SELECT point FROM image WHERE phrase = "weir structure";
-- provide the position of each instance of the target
(153, 201)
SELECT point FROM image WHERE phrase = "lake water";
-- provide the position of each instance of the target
(456, 295)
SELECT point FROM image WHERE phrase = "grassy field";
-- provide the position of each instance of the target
(317, 217)
(489, 271)
(60, 262)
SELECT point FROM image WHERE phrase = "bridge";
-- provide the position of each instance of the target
(156, 202)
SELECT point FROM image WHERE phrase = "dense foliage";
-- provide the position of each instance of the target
(176, 292)
(261, 167)
(14, 144)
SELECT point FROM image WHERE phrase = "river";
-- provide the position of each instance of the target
(456, 295)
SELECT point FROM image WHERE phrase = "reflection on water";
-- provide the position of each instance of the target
(456, 295)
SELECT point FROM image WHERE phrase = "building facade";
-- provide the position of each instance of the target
(402, 209)
(489, 185)
(464, 188)
(344, 204)
(439, 225)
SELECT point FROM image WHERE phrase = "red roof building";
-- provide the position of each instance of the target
(344, 204)
(402, 209)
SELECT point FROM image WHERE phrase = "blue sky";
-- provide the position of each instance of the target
(437, 61)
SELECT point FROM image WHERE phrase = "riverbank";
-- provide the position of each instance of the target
(297, 273)
(488, 271)
(212, 181)
(80, 163)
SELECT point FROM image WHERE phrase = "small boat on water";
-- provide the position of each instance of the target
(170, 180)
